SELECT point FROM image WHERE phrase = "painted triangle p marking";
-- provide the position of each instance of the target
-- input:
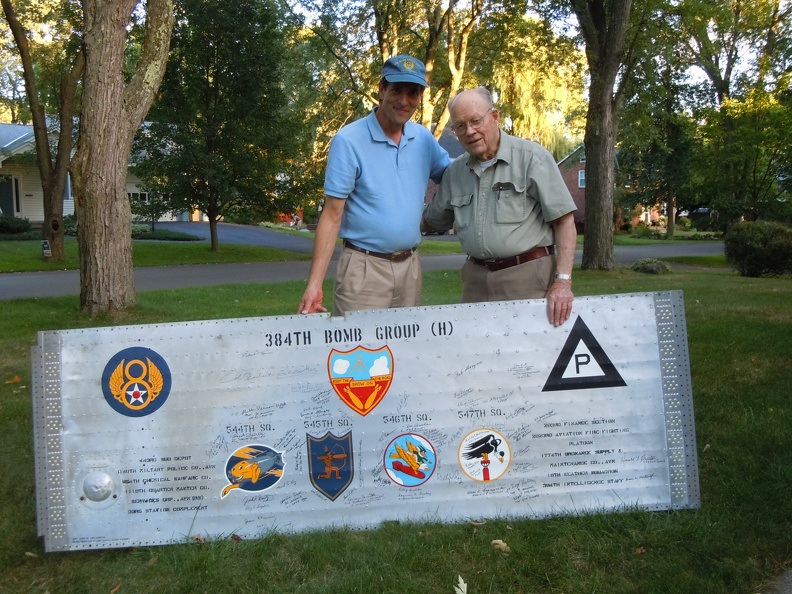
(582, 364)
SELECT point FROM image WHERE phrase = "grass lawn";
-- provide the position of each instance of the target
(740, 342)
(25, 256)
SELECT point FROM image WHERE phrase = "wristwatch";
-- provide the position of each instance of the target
(560, 276)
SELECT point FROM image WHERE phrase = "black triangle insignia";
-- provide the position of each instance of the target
(610, 378)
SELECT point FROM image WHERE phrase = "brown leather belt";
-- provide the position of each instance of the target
(393, 256)
(493, 265)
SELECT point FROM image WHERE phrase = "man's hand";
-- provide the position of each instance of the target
(311, 302)
(559, 302)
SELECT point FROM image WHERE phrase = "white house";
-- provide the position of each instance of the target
(20, 184)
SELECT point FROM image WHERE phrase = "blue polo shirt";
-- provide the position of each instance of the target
(383, 184)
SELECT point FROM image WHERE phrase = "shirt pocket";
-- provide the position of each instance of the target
(463, 210)
(511, 204)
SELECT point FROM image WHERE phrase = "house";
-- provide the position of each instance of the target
(21, 194)
(573, 171)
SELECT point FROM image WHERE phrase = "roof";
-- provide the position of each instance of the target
(13, 137)
(574, 151)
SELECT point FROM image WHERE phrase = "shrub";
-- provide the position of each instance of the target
(12, 225)
(685, 223)
(644, 231)
(139, 229)
(651, 266)
(759, 248)
(70, 225)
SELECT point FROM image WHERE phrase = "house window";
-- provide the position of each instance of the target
(582, 178)
(138, 196)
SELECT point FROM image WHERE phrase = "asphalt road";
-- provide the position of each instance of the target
(67, 282)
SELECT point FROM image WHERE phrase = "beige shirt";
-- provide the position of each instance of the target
(507, 209)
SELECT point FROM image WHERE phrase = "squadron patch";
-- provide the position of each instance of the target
(330, 463)
(484, 455)
(136, 382)
(361, 377)
(253, 468)
(410, 460)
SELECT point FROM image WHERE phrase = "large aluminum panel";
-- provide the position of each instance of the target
(148, 435)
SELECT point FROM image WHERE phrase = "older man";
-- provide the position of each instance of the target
(512, 210)
(378, 168)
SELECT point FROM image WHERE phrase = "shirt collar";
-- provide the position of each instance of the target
(378, 134)
(503, 153)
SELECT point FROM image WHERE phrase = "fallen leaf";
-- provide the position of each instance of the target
(116, 589)
(706, 447)
(501, 546)
(29, 554)
(152, 561)
(509, 527)
(14, 380)
(461, 587)
(640, 550)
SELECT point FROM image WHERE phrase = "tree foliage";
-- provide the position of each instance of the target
(746, 152)
(52, 61)
(537, 76)
(220, 137)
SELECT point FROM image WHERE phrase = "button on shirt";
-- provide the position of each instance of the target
(506, 209)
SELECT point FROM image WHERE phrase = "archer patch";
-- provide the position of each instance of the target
(330, 463)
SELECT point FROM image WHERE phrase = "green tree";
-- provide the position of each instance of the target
(221, 135)
(745, 156)
(51, 69)
(744, 51)
(13, 101)
(656, 140)
(537, 76)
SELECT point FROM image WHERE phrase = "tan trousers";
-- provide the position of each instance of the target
(368, 282)
(530, 280)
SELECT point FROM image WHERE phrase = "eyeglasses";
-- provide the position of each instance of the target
(461, 127)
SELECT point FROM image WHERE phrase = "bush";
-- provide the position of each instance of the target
(11, 225)
(644, 231)
(685, 223)
(139, 229)
(70, 225)
(759, 248)
(651, 266)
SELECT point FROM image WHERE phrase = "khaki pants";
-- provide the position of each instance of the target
(530, 280)
(368, 282)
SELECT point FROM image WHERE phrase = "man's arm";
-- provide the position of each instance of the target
(559, 297)
(324, 245)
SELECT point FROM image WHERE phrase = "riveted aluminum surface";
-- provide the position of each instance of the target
(149, 435)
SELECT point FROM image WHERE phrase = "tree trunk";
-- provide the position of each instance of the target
(603, 25)
(111, 115)
(215, 241)
(600, 156)
(670, 212)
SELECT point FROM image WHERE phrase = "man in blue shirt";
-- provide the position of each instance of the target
(378, 169)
